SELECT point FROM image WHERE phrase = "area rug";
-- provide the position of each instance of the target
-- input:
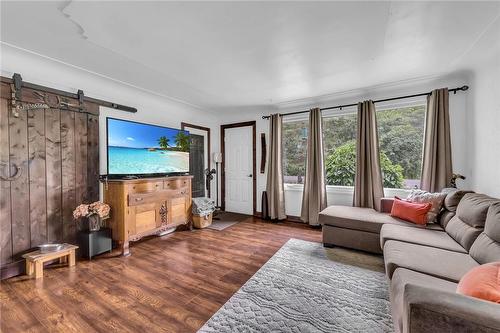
(305, 287)
(224, 220)
(221, 225)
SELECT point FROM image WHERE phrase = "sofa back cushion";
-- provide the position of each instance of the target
(450, 204)
(486, 248)
(453, 198)
(469, 220)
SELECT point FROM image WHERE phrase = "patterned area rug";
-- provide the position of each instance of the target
(305, 287)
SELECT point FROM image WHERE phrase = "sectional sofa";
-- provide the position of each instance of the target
(425, 263)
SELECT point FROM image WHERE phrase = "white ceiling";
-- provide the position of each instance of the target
(239, 54)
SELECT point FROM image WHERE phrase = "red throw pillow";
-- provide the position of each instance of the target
(482, 282)
(410, 211)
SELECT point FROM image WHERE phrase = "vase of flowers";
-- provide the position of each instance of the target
(95, 213)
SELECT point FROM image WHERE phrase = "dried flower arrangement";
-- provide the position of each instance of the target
(96, 208)
(95, 213)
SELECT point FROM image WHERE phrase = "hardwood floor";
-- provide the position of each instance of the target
(153, 290)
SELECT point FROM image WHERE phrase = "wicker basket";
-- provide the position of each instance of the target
(201, 222)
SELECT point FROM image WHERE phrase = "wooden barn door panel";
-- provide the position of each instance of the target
(81, 135)
(68, 174)
(37, 177)
(57, 152)
(5, 209)
(18, 136)
(53, 174)
(93, 157)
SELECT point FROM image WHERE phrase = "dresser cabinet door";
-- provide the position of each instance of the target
(145, 218)
(177, 210)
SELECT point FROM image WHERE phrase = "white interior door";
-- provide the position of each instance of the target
(238, 160)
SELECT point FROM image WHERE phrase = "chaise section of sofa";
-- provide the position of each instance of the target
(359, 228)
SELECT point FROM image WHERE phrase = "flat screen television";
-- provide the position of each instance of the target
(144, 150)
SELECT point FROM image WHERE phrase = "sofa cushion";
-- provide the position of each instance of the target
(411, 211)
(403, 277)
(444, 264)
(486, 248)
(365, 219)
(482, 282)
(433, 238)
(444, 217)
(453, 198)
(469, 221)
(435, 199)
(450, 204)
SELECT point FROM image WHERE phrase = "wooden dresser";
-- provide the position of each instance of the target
(144, 207)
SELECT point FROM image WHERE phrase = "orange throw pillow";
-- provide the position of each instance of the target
(482, 282)
(411, 211)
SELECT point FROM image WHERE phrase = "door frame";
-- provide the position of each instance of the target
(206, 129)
(254, 161)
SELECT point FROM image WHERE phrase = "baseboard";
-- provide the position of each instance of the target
(13, 269)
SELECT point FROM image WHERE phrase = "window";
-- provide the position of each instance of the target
(294, 150)
(339, 144)
(401, 135)
(400, 131)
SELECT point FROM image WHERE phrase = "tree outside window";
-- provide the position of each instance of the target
(294, 151)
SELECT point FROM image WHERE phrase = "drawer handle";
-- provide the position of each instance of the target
(139, 199)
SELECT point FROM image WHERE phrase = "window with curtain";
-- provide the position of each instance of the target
(294, 150)
(401, 134)
(339, 144)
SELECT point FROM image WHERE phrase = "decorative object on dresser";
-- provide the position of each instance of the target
(148, 206)
(94, 213)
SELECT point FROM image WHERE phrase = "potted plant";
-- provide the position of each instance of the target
(95, 213)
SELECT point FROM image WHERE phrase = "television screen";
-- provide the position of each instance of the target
(141, 149)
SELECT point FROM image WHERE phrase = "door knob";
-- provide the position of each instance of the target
(250, 175)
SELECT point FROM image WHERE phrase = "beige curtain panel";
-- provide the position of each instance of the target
(368, 185)
(274, 187)
(436, 165)
(314, 194)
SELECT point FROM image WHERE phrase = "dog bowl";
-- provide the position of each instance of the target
(46, 248)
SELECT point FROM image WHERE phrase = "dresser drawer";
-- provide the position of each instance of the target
(145, 187)
(176, 184)
(137, 199)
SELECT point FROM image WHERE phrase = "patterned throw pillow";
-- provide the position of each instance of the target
(436, 199)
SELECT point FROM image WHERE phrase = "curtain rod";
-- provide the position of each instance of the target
(454, 90)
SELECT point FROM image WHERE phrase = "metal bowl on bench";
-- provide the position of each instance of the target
(46, 248)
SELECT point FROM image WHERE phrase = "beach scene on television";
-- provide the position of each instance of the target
(135, 148)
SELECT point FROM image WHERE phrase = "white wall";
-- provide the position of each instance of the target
(151, 108)
(484, 129)
(343, 195)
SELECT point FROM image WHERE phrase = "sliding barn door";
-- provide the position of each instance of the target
(49, 163)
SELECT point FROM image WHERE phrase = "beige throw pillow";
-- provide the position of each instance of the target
(436, 199)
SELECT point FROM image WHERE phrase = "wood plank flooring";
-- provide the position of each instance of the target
(173, 283)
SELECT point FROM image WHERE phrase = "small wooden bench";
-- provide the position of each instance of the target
(36, 259)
